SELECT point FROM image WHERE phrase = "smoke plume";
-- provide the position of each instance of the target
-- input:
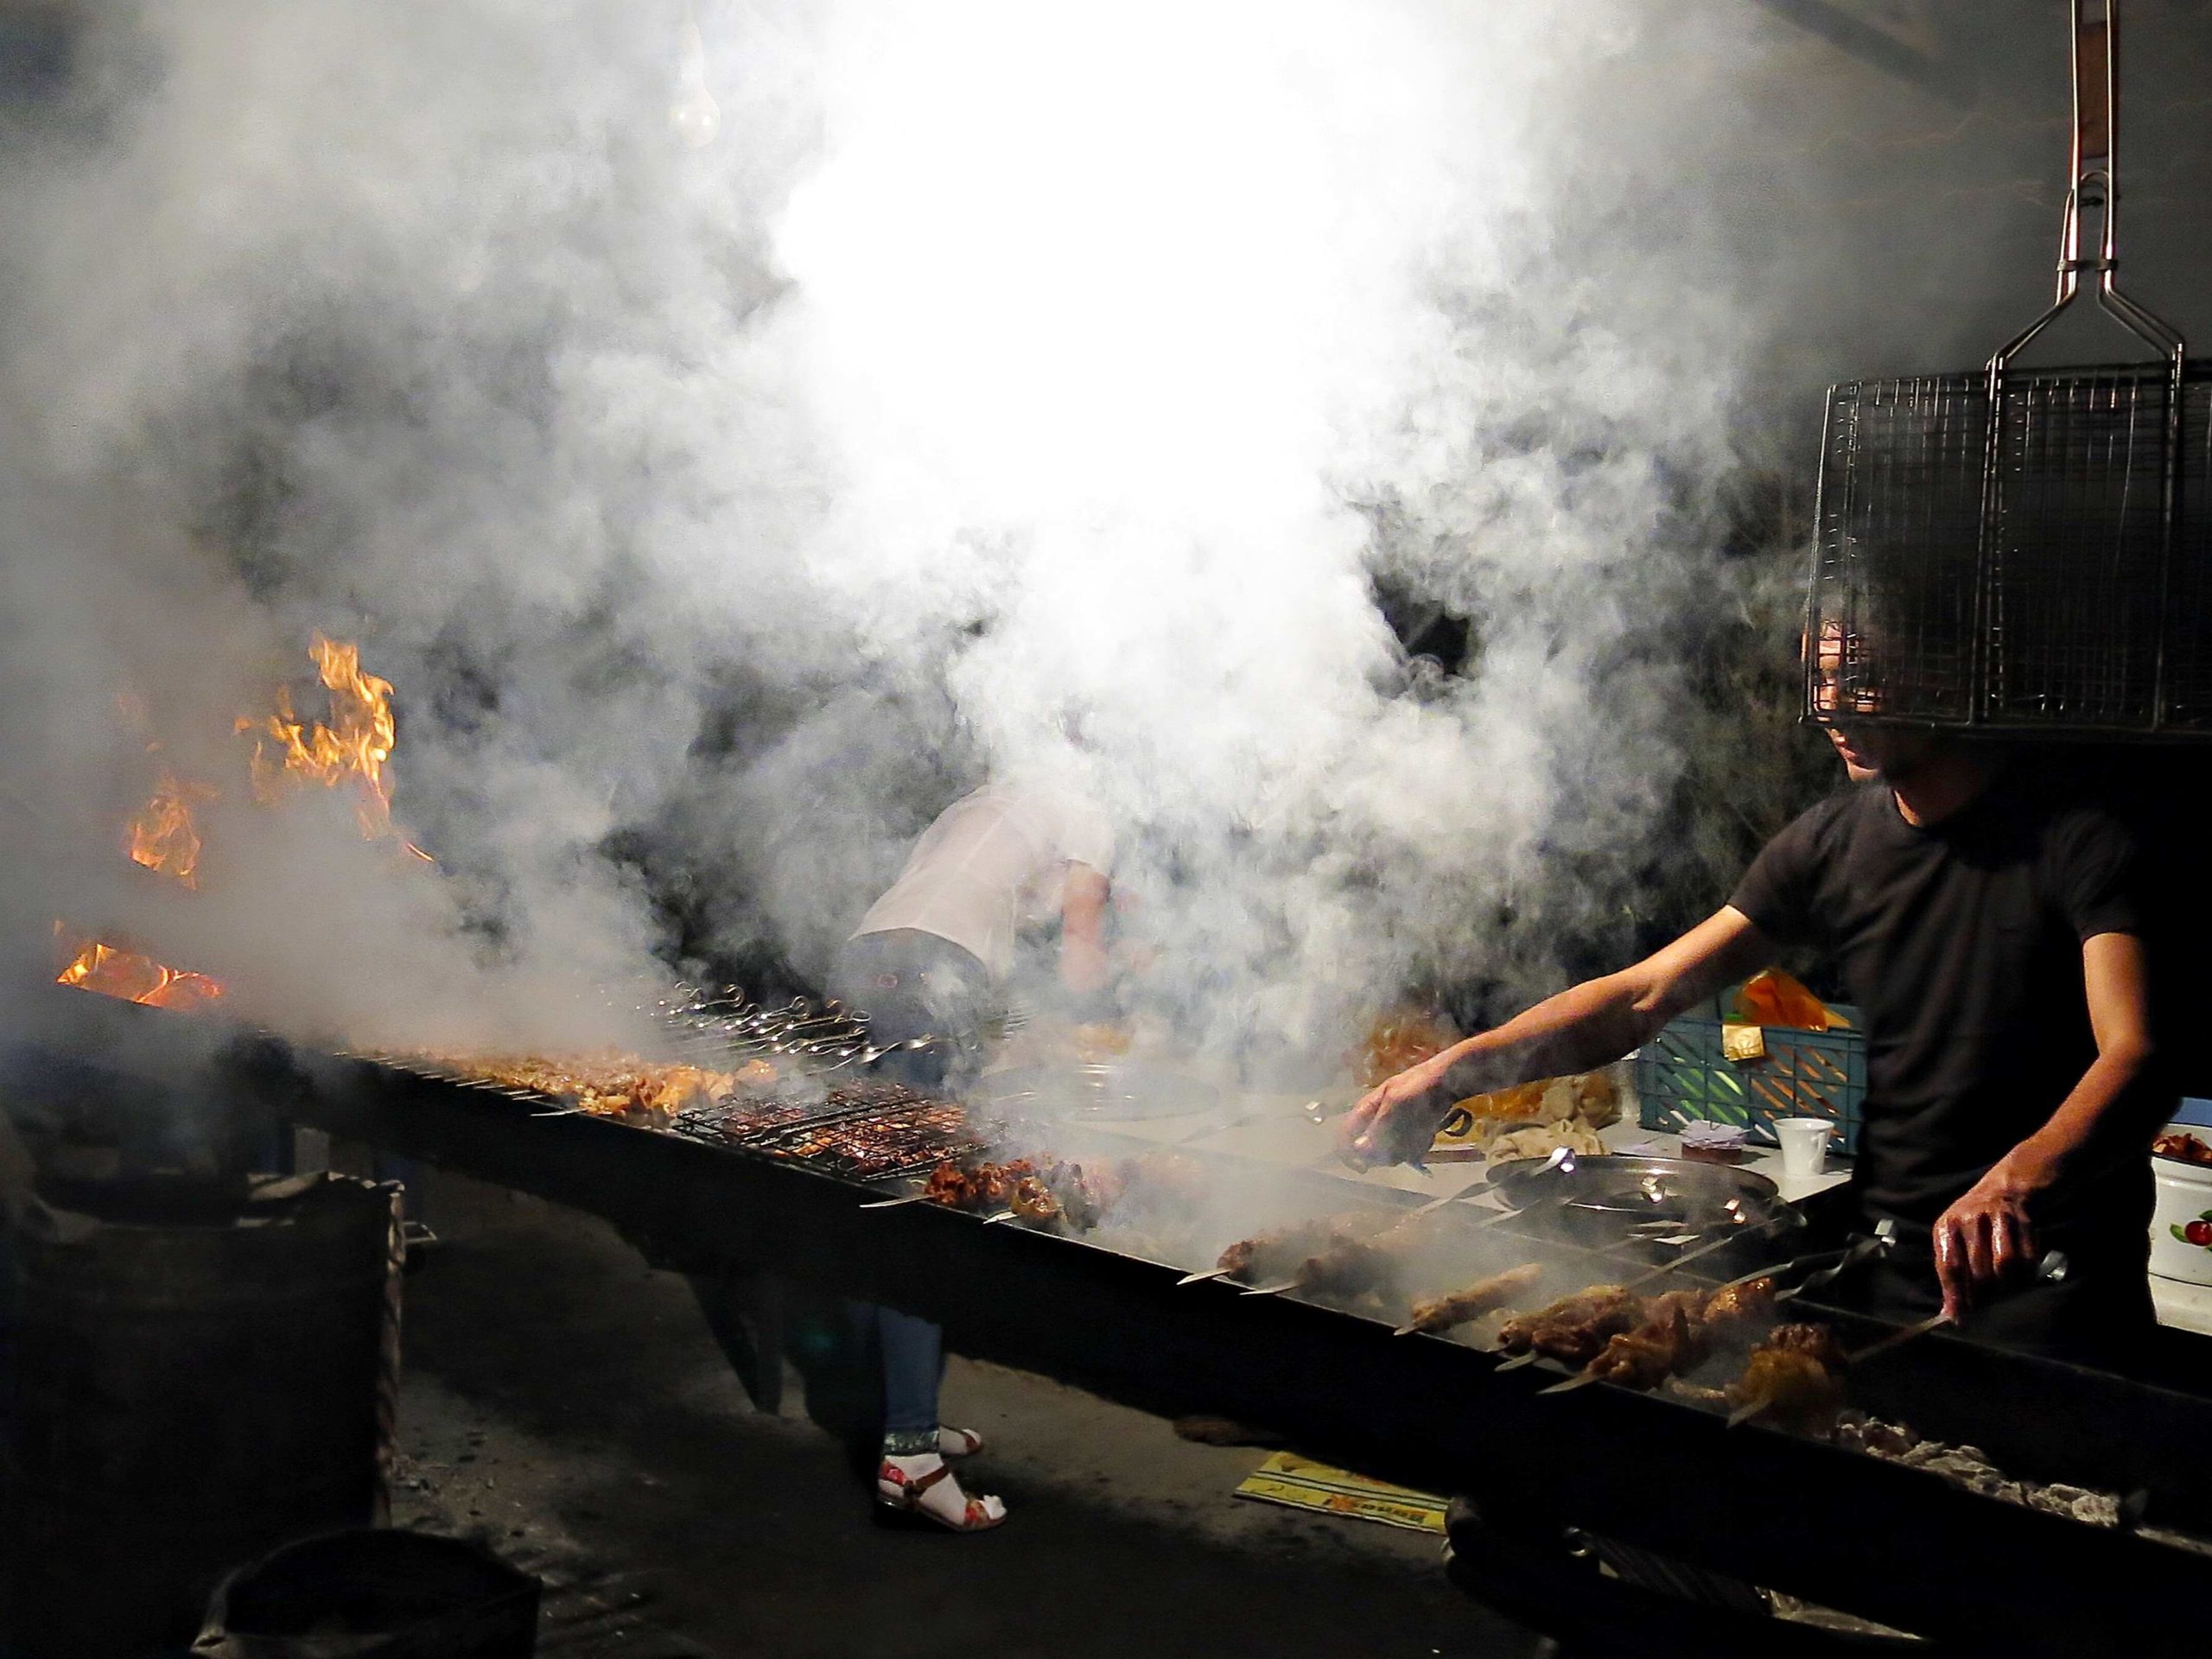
(731, 454)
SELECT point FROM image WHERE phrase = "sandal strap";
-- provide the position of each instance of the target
(921, 1484)
(910, 1487)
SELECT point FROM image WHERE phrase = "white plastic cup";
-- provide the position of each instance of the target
(1804, 1144)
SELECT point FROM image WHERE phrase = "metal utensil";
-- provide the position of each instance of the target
(1787, 1215)
(1560, 1155)
(2053, 1267)
(1866, 1247)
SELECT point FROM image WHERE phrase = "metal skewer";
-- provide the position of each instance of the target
(1702, 1251)
(1200, 1278)
(1898, 1338)
(1581, 1379)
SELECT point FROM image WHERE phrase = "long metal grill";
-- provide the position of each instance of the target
(2046, 569)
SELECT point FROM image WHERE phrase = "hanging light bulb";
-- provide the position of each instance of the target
(694, 115)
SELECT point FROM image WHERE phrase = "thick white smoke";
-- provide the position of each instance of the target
(995, 372)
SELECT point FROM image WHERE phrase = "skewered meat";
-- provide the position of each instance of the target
(1791, 1379)
(1573, 1329)
(1816, 1340)
(1283, 1251)
(1033, 1200)
(1678, 1331)
(976, 1186)
(1350, 1267)
(606, 1084)
(1791, 1389)
(1735, 1305)
(1060, 1191)
(1671, 1337)
(1482, 1296)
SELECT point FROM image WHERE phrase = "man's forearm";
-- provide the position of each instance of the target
(1582, 1028)
(2105, 1114)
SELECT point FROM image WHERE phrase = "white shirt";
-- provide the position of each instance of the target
(992, 860)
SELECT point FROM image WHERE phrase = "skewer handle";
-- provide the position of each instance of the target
(1898, 1338)
(1201, 1277)
(1280, 1285)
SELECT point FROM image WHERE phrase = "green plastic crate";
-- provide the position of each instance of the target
(1804, 1074)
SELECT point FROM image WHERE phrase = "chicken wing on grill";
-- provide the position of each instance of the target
(1573, 1329)
(1671, 1337)
(1740, 1304)
(1793, 1379)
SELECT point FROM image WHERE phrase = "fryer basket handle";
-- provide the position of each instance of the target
(2092, 188)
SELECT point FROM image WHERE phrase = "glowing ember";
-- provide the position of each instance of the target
(163, 836)
(133, 977)
(354, 746)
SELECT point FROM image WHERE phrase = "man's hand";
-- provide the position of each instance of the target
(1398, 1117)
(1986, 1236)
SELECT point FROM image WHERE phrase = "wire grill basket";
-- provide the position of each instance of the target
(2025, 551)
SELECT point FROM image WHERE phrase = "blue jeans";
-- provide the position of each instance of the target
(912, 1353)
(913, 984)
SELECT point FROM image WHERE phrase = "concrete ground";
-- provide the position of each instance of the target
(566, 1403)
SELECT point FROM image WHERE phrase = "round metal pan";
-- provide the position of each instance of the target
(1107, 1088)
(1630, 1189)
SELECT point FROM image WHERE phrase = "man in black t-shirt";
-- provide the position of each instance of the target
(1990, 931)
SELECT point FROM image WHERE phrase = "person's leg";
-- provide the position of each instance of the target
(913, 1479)
(913, 1364)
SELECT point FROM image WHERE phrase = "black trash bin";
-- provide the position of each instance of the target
(370, 1594)
(202, 1371)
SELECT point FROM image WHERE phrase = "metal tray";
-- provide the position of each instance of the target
(1697, 1195)
(1126, 1089)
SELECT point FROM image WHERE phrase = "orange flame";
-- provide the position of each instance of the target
(133, 977)
(354, 746)
(163, 837)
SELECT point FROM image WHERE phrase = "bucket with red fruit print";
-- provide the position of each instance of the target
(2181, 1230)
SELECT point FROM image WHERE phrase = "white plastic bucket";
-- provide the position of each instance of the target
(2184, 1202)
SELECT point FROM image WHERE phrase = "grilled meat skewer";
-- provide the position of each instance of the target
(1483, 1296)
(1573, 1329)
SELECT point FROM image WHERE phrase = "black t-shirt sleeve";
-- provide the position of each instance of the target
(2094, 872)
(1776, 892)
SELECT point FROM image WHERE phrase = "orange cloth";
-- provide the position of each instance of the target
(1773, 998)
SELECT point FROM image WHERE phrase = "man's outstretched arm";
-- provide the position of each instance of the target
(1584, 1026)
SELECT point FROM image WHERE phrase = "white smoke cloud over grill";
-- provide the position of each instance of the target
(997, 372)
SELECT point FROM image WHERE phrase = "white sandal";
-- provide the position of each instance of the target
(958, 1442)
(921, 1491)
